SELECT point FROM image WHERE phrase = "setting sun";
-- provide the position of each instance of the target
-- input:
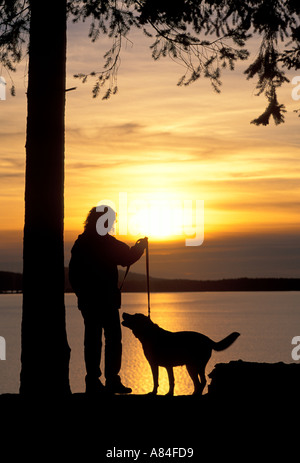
(160, 216)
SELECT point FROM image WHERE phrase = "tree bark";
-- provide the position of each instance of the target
(45, 351)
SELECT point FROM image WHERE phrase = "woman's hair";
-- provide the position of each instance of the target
(95, 213)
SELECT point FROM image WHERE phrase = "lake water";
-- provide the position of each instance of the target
(267, 322)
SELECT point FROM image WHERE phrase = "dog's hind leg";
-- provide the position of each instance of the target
(154, 369)
(171, 380)
(193, 372)
(201, 371)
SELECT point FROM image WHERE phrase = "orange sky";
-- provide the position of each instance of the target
(161, 145)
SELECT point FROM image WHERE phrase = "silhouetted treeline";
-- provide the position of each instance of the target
(10, 282)
(135, 282)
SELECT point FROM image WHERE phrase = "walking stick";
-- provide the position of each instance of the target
(147, 273)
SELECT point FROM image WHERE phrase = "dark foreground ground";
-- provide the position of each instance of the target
(251, 413)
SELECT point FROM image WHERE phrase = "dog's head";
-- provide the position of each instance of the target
(138, 323)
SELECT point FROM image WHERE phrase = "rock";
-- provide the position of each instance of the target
(251, 381)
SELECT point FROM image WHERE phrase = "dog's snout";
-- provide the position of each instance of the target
(125, 318)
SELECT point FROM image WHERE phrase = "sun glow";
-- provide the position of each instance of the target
(160, 217)
(158, 221)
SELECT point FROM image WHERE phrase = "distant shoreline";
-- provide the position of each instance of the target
(11, 282)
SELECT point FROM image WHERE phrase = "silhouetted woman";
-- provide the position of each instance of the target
(93, 275)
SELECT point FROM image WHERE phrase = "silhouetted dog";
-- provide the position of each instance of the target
(167, 349)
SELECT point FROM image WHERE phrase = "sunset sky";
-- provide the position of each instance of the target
(159, 146)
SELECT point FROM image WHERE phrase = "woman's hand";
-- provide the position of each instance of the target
(142, 242)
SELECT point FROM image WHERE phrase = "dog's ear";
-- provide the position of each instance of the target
(141, 325)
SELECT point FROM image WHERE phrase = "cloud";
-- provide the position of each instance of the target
(12, 168)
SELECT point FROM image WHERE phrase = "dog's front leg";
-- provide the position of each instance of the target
(154, 369)
(171, 380)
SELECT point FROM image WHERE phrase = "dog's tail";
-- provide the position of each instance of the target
(226, 342)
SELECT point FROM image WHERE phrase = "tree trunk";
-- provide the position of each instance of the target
(45, 352)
